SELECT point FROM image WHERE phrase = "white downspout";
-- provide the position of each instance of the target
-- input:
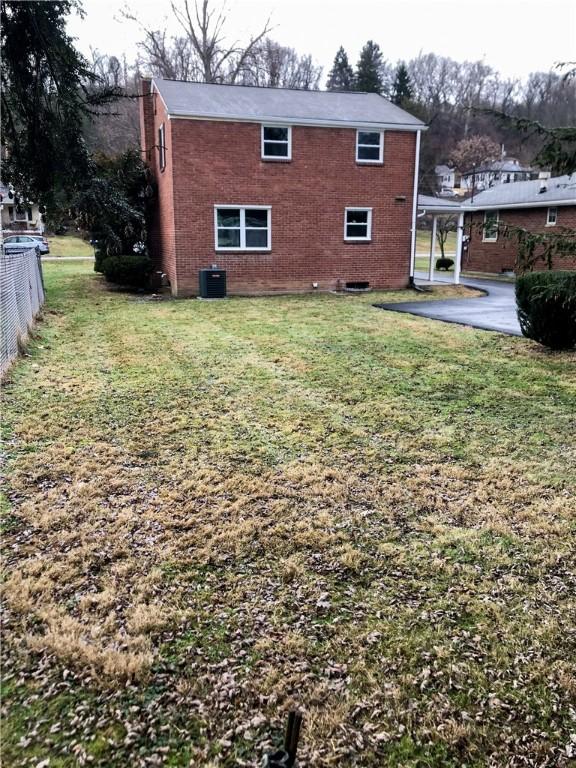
(459, 238)
(432, 249)
(415, 208)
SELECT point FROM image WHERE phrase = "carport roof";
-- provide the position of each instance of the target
(431, 204)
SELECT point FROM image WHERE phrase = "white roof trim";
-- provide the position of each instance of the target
(155, 90)
(285, 121)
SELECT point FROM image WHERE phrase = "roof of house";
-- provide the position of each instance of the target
(500, 166)
(443, 169)
(560, 190)
(255, 104)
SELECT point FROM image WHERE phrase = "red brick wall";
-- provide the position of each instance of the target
(501, 255)
(219, 163)
(162, 240)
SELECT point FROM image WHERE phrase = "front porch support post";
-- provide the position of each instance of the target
(432, 250)
(459, 239)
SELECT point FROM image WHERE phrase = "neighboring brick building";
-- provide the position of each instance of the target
(539, 206)
(287, 190)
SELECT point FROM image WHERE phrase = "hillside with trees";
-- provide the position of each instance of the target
(458, 100)
(97, 101)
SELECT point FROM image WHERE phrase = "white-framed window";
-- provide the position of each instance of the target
(358, 224)
(242, 227)
(370, 147)
(276, 142)
(551, 217)
(162, 147)
(490, 229)
(21, 213)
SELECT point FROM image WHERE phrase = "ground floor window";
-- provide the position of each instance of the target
(242, 228)
(358, 224)
(552, 216)
(490, 231)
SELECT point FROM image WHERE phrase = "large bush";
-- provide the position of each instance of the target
(113, 206)
(547, 308)
(131, 270)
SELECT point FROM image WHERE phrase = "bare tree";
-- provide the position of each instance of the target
(444, 225)
(113, 128)
(203, 52)
(474, 151)
(274, 65)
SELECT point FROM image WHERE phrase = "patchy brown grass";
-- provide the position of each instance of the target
(221, 511)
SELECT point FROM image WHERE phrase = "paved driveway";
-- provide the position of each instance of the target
(494, 312)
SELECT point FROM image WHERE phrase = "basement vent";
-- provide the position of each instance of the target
(357, 287)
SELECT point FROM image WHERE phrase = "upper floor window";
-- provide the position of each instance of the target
(551, 217)
(242, 228)
(276, 142)
(162, 147)
(21, 213)
(358, 224)
(490, 231)
(370, 147)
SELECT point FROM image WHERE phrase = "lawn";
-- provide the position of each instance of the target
(69, 245)
(221, 510)
(423, 243)
(423, 249)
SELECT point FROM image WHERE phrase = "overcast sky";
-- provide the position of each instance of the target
(515, 37)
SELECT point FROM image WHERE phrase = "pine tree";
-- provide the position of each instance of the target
(369, 69)
(48, 92)
(402, 90)
(341, 77)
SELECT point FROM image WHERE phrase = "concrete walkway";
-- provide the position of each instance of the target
(496, 311)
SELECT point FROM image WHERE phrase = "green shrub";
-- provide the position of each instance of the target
(444, 263)
(547, 308)
(132, 270)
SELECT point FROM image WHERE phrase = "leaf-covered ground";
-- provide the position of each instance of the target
(218, 511)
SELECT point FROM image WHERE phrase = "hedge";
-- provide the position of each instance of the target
(130, 270)
(546, 304)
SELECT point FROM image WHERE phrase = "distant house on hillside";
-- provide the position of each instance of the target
(538, 206)
(447, 180)
(489, 175)
(286, 190)
(450, 182)
(19, 217)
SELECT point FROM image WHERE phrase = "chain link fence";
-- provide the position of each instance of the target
(21, 298)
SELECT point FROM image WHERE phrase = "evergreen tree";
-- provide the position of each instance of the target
(402, 90)
(45, 100)
(369, 69)
(341, 77)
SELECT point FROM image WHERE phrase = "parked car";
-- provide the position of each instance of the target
(42, 242)
(19, 243)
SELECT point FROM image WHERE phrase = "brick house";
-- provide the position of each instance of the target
(539, 206)
(286, 190)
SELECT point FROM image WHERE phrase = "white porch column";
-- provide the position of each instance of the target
(432, 261)
(459, 238)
